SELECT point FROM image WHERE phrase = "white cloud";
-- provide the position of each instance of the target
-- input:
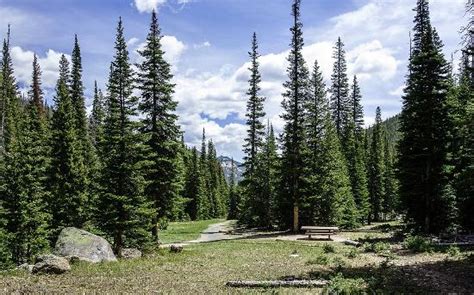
(173, 48)
(377, 50)
(132, 41)
(150, 5)
(202, 45)
(372, 59)
(22, 63)
(398, 91)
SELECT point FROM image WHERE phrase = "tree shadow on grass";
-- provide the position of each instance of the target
(439, 277)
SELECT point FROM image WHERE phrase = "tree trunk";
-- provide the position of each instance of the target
(296, 226)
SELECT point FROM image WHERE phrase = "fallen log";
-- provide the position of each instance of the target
(267, 284)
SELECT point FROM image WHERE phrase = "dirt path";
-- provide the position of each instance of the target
(215, 232)
(218, 232)
(227, 231)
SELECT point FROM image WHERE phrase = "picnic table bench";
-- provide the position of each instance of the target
(320, 231)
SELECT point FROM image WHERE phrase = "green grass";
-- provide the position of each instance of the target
(185, 231)
(205, 268)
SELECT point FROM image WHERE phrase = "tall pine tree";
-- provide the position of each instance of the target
(293, 143)
(86, 156)
(340, 106)
(424, 126)
(328, 199)
(256, 205)
(355, 153)
(96, 119)
(124, 212)
(376, 169)
(66, 172)
(23, 175)
(159, 127)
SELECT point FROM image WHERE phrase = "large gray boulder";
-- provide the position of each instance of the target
(78, 244)
(51, 264)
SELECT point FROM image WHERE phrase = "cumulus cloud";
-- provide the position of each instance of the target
(49, 63)
(372, 59)
(173, 48)
(378, 56)
(150, 5)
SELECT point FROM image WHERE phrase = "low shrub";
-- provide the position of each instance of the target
(378, 247)
(328, 248)
(353, 253)
(341, 285)
(418, 244)
(453, 251)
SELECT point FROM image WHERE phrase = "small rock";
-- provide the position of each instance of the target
(51, 264)
(176, 248)
(26, 266)
(131, 253)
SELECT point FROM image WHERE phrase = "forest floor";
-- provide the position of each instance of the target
(380, 265)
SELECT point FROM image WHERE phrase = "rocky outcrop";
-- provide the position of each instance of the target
(131, 253)
(77, 244)
(51, 264)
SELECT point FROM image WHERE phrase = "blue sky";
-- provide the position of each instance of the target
(207, 43)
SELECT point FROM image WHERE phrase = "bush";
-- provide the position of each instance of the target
(418, 244)
(378, 247)
(453, 251)
(341, 285)
(163, 223)
(353, 253)
(328, 248)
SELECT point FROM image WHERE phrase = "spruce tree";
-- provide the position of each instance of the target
(204, 208)
(23, 175)
(159, 127)
(376, 169)
(8, 87)
(464, 147)
(340, 106)
(194, 186)
(356, 109)
(424, 126)
(355, 153)
(292, 140)
(124, 212)
(233, 211)
(36, 93)
(268, 169)
(96, 119)
(213, 172)
(389, 205)
(255, 113)
(256, 207)
(328, 199)
(66, 172)
(87, 160)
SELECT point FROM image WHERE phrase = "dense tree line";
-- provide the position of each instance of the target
(333, 171)
(114, 173)
(323, 174)
(435, 151)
